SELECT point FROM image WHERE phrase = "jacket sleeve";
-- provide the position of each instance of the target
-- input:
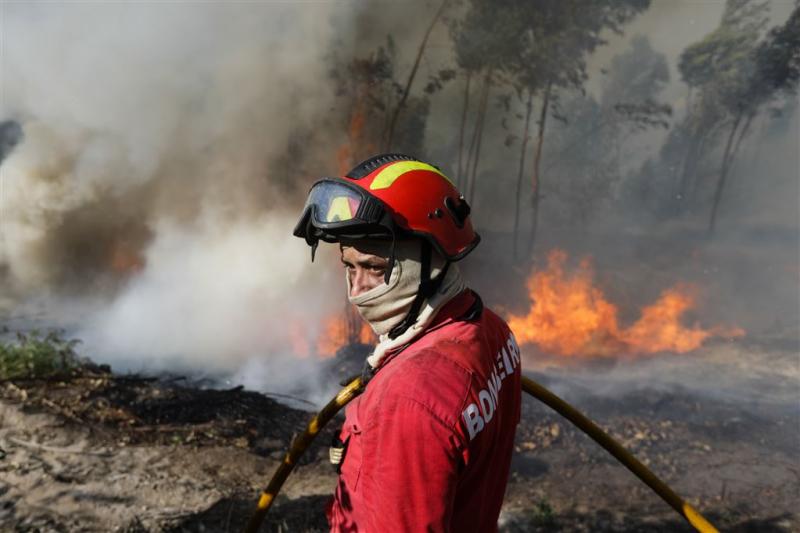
(410, 470)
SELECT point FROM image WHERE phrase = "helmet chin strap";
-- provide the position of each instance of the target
(427, 288)
(388, 273)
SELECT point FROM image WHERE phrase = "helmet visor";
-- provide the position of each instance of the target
(332, 202)
(335, 208)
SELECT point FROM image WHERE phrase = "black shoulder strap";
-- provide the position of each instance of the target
(475, 310)
(427, 288)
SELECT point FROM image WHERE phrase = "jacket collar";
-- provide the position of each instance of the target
(451, 312)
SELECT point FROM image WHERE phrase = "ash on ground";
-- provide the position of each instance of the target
(95, 451)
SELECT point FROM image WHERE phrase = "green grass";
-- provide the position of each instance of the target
(34, 355)
(543, 514)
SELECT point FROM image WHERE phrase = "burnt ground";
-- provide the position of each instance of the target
(94, 451)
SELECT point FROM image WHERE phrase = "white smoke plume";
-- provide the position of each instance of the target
(144, 205)
(167, 148)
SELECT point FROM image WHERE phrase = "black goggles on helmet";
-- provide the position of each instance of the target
(336, 208)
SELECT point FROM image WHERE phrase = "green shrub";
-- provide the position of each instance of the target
(543, 514)
(33, 355)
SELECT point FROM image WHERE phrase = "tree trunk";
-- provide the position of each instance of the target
(754, 161)
(473, 141)
(412, 75)
(723, 174)
(681, 184)
(687, 168)
(748, 121)
(557, 158)
(694, 177)
(737, 144)
(523, 149)
(536, 161)
(478, 137)
(459, 174)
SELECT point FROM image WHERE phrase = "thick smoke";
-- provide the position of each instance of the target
(746, 273)
(167, 148)
(150, 205)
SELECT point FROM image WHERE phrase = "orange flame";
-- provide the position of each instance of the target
(570, 316)
(298, 339)
(357, 143)
(345, 155)
(125, 259)
(338, 332)
(347, 328)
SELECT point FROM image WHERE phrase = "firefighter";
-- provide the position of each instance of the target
(427, 446)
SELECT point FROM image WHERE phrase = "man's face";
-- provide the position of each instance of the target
(365, 270)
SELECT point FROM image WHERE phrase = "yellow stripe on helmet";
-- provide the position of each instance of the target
(391, 173)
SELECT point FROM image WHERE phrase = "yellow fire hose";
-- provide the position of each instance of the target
(297, 449)
(301, 443)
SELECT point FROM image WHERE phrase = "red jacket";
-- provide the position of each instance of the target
(429, 442)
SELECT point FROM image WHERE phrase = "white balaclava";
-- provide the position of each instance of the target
(386, 305)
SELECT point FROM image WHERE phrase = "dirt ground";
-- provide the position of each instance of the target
(98, 452)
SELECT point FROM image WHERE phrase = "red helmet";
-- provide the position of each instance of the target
(390, 195)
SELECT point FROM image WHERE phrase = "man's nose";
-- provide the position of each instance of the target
(358, 283)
